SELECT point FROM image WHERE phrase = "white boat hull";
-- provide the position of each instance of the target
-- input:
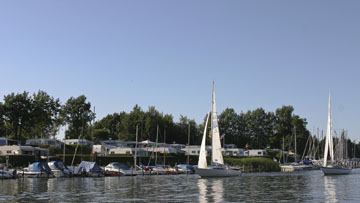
(128, 172)
(61, 174)
(335, 170)
(355, 171)
(35, 175)
(217, 172)
(292, 168)
(6, 175)
(287, 168)
(121, 172)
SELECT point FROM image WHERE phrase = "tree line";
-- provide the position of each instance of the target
(24, 116)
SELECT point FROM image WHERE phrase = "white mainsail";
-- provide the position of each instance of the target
(329, 140)
(202, 157)
(215, 135)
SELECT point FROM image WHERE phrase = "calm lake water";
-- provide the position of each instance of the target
(307, 186)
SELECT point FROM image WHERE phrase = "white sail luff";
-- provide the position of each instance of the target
(202, 157)
(215, 135)
(328, 139)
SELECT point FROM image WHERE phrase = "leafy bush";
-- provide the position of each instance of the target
(254, 164)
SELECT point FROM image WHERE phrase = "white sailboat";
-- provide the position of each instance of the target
(217, 169)
(329, 148)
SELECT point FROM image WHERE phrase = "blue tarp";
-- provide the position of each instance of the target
(89, 167)
(59, 165)
(307, 162)
(118, 165)
(39, 167)
(185, 167)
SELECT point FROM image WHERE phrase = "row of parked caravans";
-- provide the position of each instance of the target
(90, 169)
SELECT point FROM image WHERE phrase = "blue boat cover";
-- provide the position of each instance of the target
(185, 167)
(59, 165)
(89, 167)
(39, 167)
(118, 165)
(307, 162)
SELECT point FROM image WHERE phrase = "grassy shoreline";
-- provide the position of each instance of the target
(254, 164)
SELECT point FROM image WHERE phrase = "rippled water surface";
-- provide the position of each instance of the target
(309, 186)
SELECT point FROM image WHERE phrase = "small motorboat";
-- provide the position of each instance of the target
(87, 169)
(119, 169)
(60, 169)
(37, 170)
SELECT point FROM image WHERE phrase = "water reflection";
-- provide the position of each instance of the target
(260, 187)
(202, 190)
(330, 189)
(12, 188)
(215, 193)
(218, 189)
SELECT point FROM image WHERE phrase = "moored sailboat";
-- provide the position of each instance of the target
(217, 168)
(295, 166)
(329, 148)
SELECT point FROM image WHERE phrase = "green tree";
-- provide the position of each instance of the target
(302, 134)
(45, 115)
(101, 134)
(17, 110)
(78, 115)
(182, 131)
(152, 119)
(107, 127)
(232, 126)
(3, 132)
(283, 127)
(127, 128)
(258, 128)
(168, 128)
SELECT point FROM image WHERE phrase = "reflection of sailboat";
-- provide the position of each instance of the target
(329, 147)
(218, 169)
(330, 192)
(218, 190)
(202, 183)
(211, 190)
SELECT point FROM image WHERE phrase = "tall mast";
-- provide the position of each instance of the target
(136, 142)
(164, 144)
(64, 147)
(283, 150)
(354, 148)
(212, 117)
(295, 142)
(188, 156)
(157, 137)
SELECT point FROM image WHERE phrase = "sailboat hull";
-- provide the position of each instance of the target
(217, 172)
(335, 170)
(290, 168)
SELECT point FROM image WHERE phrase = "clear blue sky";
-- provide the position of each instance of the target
(167, 53)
